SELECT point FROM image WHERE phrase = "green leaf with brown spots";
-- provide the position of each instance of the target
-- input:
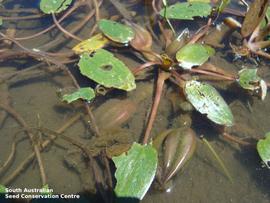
(207, 100)
(107, 70)
(187, 11)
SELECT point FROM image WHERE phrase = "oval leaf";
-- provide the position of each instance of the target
(89, 45)
(54, 6)
(115, 31)
(194, 55)
(107, 70)
(86, 93)
(248, 79)
(186, 11)
(207, 100)
(135, 171)
(263, 148)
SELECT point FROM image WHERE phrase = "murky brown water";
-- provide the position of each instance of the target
(201, 180)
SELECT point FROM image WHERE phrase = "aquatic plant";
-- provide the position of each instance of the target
(183, 63)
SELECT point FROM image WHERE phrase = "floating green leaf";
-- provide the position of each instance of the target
(86, 93)
(54, 6)
(115, 31)
(89, 45)
(207, 100)
(135, 171)
(107, 70)
(194, 55)
(186, 11)
(263, 148)
(2, 189)
(248, 78)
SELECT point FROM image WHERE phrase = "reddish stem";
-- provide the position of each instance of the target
(201, 32)
(77, 5)
(64, 30)
(160, 82)
(236, 140)
(205, 72)
(144, 66)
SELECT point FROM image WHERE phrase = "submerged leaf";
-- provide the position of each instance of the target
(142, 40)
(107, 70)
(263, 148)
(89, 45)
(207, 100)
(54, 6)
(86, 93)
(194, 55)
(254, 16)
(115, 31)
(186, 11)
(135, 171)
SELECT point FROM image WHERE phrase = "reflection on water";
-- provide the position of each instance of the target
(30, 88)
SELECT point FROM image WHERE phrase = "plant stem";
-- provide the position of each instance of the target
(21, 121)
(162, 76)
(218, 159)
(30, 158)
(205, 72)
(144, 66)
(165, 16)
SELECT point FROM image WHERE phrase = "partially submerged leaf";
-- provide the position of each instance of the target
(194, 55)
(207, 100)
(107, 70)
(135, 171)
(86, 93)
(115, 31)
(254, 16)
(89, 45)
(142, 40)
(263, 148)
(54, 6)
(187, 11)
